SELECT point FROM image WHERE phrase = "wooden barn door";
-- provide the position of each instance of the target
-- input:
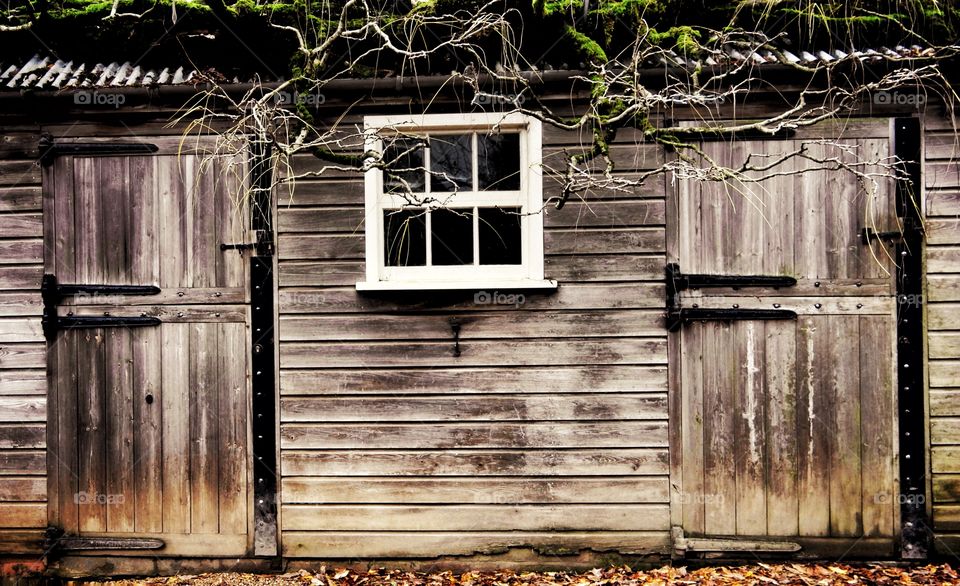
(788, 426)
(149, 399)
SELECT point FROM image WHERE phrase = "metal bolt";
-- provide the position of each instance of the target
(817, 305)
(859, 306)
(858, 284)
(217, 314)
(695, 306)
(777, 305)
(106, 313)
(816, 284)
(736, 306)
(179, 314)
(218, 294)
(907, 457)
(179, 293)
(906, 365)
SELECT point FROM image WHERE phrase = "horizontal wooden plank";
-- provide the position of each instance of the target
(581, 407)
(20, 199)
(943, 316)
(943, 288)
(945, 459)
(22, 542)
(630, 434)
(606, 462)
(944, 402)
(943, 203)
(942, 232)
(511, 352)
(24, 145)
(18, 304)
(941, 145)
(942, 175)
(307, 165)
(604, 267)
(166, 313)
(22, 435)
(839, 305)
(946, 517)
(18, 278)
(23, 515)
(314, 247)
(946, 488)
(943, 345)
(552, 379)
(320, 274)
(943, 259)
(21, 252)
(23, 382)
(23, 409)
(313, 220)
(944, 374)
(21, 226)
(944, 431)
(937, 119)
(649, 489)
(604, 241)
(601, 188)
(625, 157)
(23, 356)
(606, 214)
(572, 296)
(21, 330)
(481, 325)
(354, 545)
(23, 489)
(310, 192)
(618, 517)
(19, 173)
(23, 462)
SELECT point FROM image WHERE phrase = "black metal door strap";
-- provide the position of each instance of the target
(53, 292)
(677, 282)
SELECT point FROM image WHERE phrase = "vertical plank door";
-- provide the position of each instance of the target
(788, 427)
(152, 422)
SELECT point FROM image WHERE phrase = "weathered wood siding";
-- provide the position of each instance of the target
(23, 488)
(549, 431)
(942, 201)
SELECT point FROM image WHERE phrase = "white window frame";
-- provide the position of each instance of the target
(528, 275)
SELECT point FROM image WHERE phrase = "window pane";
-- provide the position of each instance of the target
(451, 163)
(498, 162)
(404, 238)
(400, 154)
(452, 234)
(500, 236)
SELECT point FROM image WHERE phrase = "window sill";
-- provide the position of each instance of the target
(522, 284)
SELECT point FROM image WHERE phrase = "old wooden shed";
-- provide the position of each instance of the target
(298, 375)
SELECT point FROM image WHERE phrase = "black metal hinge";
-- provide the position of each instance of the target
(49, 149)
(677, 282)
(57, 541)
(53, 292)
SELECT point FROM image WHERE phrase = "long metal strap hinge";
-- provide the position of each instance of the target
(677, 281)
(53, 292)
(57, 541)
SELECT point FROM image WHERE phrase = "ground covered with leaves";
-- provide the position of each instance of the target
(760, 574)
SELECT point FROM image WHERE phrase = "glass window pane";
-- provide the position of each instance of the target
(500, 236)
(498, 162)
(452, 236)
(405, 238)
(403, 158)
(451, 163)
